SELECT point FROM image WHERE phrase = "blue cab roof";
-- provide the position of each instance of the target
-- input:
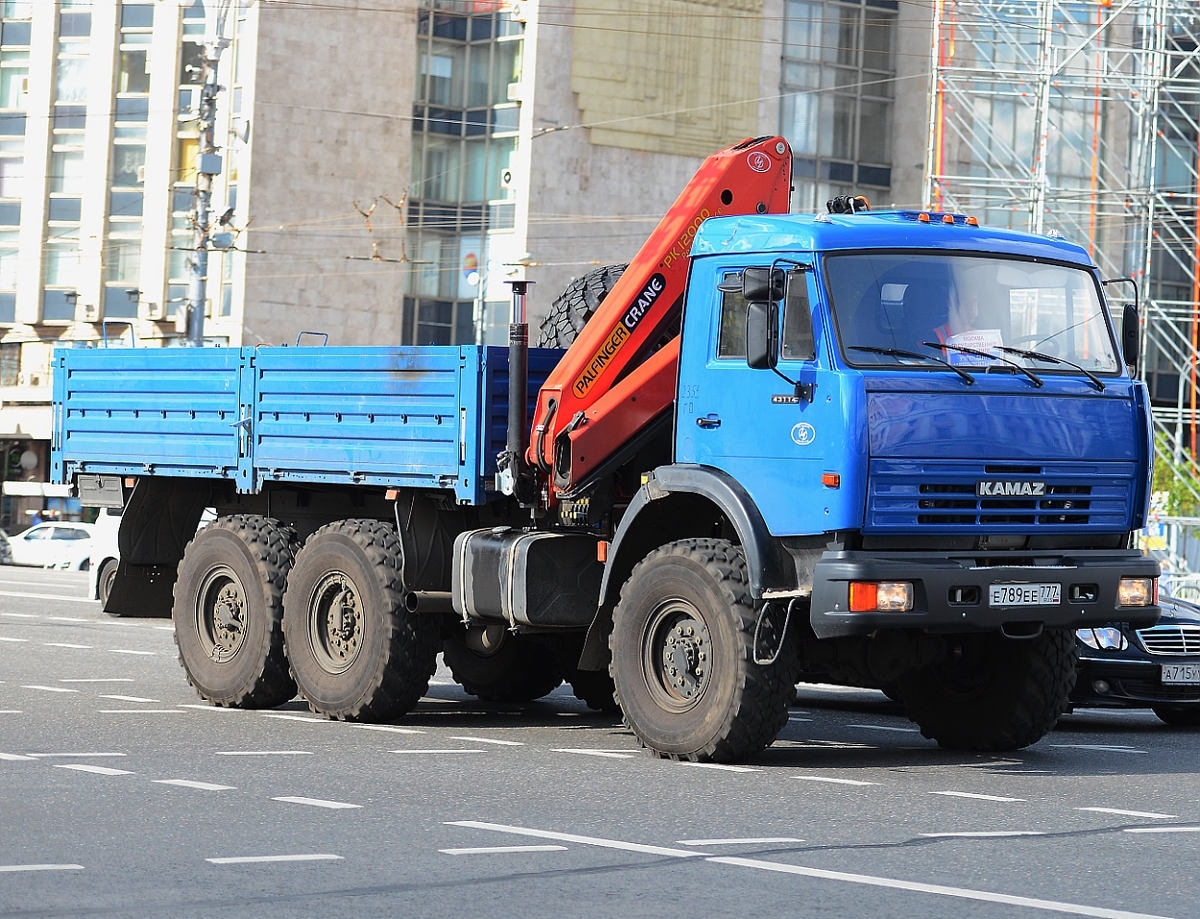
(874, 230)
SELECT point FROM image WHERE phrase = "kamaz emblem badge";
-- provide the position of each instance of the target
(1010, 489)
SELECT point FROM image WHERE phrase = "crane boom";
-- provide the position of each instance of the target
(607, 386)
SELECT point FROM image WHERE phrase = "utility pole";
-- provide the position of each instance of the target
(208, 166)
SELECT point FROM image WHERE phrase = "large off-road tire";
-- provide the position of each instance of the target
(517, 670)
(683, 657)
(575, 306)
(356, 653)
(993, 693)
(1183, 715)
(229, 609)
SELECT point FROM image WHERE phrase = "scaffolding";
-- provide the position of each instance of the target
(1083, 118)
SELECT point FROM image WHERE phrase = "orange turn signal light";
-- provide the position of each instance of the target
(831, 480)
(972, 221)
(391, 494)
(602, 551)
(947, 218)
(922, 218)
(863, 596)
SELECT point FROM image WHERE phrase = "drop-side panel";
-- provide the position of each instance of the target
(126, 411)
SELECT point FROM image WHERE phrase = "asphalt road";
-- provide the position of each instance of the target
(121, 794)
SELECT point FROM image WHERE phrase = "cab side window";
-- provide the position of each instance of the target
(731, 336)
(798, 344)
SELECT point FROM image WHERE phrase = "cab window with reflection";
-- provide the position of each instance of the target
(731, 340)
(798, 344)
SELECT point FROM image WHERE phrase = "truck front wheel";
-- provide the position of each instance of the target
(356, 653)
(683, 660)
(993, 693)
(228, 608)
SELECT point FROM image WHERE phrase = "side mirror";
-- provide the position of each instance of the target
(761, 284)
(762, 335)
(1130, 336)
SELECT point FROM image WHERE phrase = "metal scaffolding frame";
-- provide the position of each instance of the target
(1082, 117)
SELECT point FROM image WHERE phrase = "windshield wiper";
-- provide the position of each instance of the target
(897, 352)
(1033, 377)
(1051, 359)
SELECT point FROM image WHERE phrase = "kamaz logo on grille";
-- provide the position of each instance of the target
(1010, 489)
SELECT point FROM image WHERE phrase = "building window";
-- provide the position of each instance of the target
(836, 104)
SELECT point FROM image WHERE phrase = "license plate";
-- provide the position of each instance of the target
(1181, 673)
(1025, 595)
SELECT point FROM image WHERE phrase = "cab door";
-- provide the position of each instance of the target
(751, 423)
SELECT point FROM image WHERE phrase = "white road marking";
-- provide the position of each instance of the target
(128, 651)
(63, 644)
(572, 837)
(13, 593)
(296, 718)
(265, 753)
(68, 619)
(832, 781)
(188, 783)
(723, 766)
(251, 859)
(748, 841)
(984, 834)
(8, 868)
(1123, 813)
(107, 679)
(1099, 748)
(608, 753)
(317, 802)
(387, 727)
(1162, 829)
(973, 796)
(963, 893)
(13, 757)
(215, 708)
(98, 770)
(21, 615)
(435, 751)
(503, 743)
(6, 638)
(793, 718)
(9, 711)
(73, 755)
(881, 727)
(49, 688)
(128, 698)
(163, 628)
(497, 850)
(139, 711)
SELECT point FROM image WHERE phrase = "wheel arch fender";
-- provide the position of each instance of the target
(678, 502)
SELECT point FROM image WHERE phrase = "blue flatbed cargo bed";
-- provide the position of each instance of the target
(414, 417)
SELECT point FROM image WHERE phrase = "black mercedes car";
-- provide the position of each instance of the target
(1156, 667)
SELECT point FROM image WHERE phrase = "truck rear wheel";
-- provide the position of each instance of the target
(993, 693)
(356, 653)
(575, 306)
(228, 611)
(514, 670)
(683, 656)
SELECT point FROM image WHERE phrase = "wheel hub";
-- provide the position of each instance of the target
(336, 622)
(221, 614)
(678, 653)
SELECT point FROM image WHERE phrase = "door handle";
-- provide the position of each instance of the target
(709, 421)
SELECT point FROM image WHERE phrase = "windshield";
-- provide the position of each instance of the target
(950, 305)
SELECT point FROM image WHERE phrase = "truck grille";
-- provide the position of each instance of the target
(913, 496)
(1176, 640)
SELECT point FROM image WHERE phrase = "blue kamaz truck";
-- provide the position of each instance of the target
(896, 448)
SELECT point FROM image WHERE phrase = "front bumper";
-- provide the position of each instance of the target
(1131, 682)
(936, 579)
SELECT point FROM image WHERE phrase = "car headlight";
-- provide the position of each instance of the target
(1103, 639)
(1137, 592)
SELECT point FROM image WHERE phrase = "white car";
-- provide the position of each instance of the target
(53, 545)
(105, 554)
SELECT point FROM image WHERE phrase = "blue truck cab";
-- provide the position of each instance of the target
(906, 452)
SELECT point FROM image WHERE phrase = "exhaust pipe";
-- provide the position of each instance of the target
(513, 475)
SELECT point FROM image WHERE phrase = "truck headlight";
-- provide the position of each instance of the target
(1137, 592)
(881, 596)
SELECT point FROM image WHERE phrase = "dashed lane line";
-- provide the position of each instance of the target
(199, 786)
(434, 751)
(13, 757)
(387, 727)
(104, 679)
(139, 711)
(15, 593)
(610, 754)
(1162, 829)
(748, 841)
(10, 711)
(832, 781)
(215, 708)
(254, 859)
(884, 727)
(68, 619)
(14, 640)
(11, 868)
(502, 850)
(723, 767)
(503, 743)
(96, 770)
(64, 644)
(20, 615)
(128, 698)
(317, 802)
(977, 797)
(963, 893)
(49, 688)
(1100, 748)
(74, 755)
(296, 718)
(983, 834)
(131, 651)
(265, 753)
(1149, 815)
